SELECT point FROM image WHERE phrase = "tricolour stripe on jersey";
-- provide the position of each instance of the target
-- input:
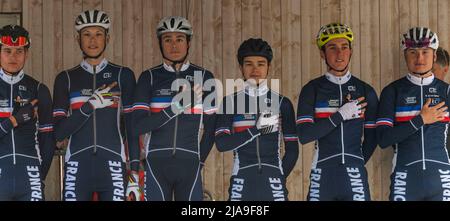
(59, 112)
(77, 100)
(290, 137)
(370, 124)
(406, 113)
(243, 122)
(5, 112)
(45, 128)
(385, 121)
(305, 119)
(223, 130)
(157, 104)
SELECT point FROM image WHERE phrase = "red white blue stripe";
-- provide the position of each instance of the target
(290, 137)
(222, 130)
(77, 100)
(242, 122)
(322, 110)
(5, 112)
(45, 128)
(157, 104)
(141, 106)
(406, 113)
(385, 121)
(305, 119)
(59, 113)
(370, 124)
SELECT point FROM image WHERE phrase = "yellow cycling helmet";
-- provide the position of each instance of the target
(333, 31)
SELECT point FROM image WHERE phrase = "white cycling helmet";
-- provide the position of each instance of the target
(419, 37)
(92, 18)
(174, 24)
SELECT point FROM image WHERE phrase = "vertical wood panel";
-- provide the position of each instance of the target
(271, 32)
(370, 63)
(10, 6)
(32, 20)
(132, 34)
(71, 49)
(291, 60)
(389, 72)
(408, 18)
(92, 4)
(212, 60)
(231, 31)
(195, 16)
(114, 51)
(251, 19)
(443, 28)
(329, 12)
(310, 69)
(350, 15)
(152, 13)
(427, 13)
(174, 8)
(52, 64)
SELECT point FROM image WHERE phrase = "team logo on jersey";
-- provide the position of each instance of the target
(86, 92)
(432, 90)
(333, 103)
(435, 101)
(107, 75)
(164, 92)
(351, 88)
(248, 116)
(190, 78)
(410, 100)
(22, 88)
(4, 103)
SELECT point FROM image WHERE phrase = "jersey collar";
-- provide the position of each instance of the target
(338, 80)
(11, 79)
(253, 90)
(420, 81)
(184, 67)
(89, 68)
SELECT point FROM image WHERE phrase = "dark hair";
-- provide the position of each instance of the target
(442, 57)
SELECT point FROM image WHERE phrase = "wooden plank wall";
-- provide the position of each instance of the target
(290, 26)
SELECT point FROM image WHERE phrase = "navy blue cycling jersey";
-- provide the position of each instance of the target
(94, 135)
(172, 135)
(258, 172)
(421, 163)
(337, 141)
(340, 152)
(26, 152)
(399, 121)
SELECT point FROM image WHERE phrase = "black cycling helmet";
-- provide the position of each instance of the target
(15, 36)
(254, 47)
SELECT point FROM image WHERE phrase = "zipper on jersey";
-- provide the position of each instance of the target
(12, 131)
(94, 119)
(175, 130)
(421, 129)
(258, 154)
(342, 126)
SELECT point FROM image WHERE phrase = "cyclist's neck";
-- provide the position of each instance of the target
(337, 73)
(422, 75)
(178, 65)
(94, 61)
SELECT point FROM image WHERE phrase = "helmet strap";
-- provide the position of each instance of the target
(86, 56)
(331, 68)
(174, 62)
